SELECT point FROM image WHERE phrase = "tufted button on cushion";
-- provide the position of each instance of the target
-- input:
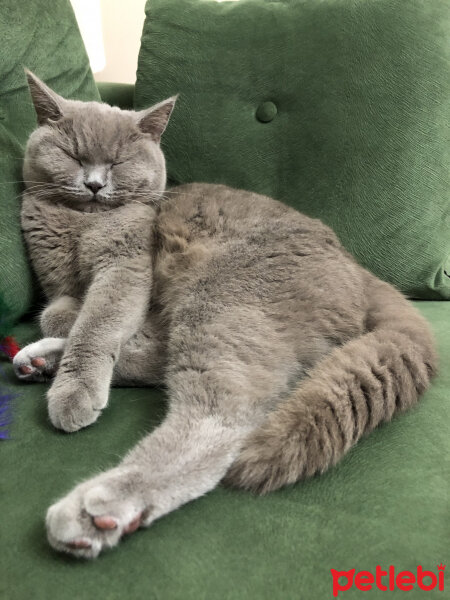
(266, 112)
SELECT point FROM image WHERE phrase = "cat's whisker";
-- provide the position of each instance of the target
(71, 189)
(40, 187)
(25, 181)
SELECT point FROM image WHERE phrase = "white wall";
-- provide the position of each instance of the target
(112, 32)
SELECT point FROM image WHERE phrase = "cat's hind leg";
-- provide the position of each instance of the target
(39, 361)
(219, 391)
(58, 317)
(183, 459)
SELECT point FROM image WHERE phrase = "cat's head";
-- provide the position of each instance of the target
(92, 156)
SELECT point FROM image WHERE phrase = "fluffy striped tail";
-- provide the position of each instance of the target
(355, 388)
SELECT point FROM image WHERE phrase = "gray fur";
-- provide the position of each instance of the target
(278, 351)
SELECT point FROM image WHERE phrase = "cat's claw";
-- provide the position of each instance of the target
(96, 514)
(39, 361)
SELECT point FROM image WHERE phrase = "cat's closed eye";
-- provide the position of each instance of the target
(72, 156)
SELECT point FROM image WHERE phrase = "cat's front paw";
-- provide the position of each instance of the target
(39, 361)
(96, 513)
(73, 405)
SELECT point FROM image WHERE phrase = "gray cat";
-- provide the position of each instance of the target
(277, 349)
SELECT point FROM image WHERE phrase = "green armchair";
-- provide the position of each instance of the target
(386, 503)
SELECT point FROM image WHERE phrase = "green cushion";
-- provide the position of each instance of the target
(44, 37)
(339, 108)
(15, 274)
(117, 94)
(386, 503)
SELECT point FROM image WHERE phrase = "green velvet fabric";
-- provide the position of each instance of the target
(44, 37)
(339, 108)
(386, 503)
(117, 94)
(15, 275)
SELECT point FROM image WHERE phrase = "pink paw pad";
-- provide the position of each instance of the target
(105, 522)
(38, 362)
(25, 370)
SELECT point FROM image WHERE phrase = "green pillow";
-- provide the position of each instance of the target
(44, 37)
(15, 275)
(339, 108)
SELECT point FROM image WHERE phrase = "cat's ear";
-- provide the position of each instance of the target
(47, 104)
(154, 120)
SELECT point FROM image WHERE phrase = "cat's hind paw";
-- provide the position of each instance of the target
(96, 514)
(39, 361)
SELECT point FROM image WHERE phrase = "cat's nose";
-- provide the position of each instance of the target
(94, 185)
